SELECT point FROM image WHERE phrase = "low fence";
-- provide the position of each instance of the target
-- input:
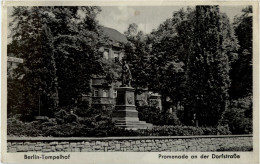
(128, 144)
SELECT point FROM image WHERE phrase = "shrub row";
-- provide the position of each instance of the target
(236, 148)
(172, 131)
(19, 128)
(156, 116)
(33, 129)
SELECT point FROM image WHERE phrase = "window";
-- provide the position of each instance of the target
(116, 54)
(105, 55)
(95, 93)
(115, 94)
(105, 93)
(112, 55)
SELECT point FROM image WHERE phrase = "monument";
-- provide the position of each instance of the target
(125, 114)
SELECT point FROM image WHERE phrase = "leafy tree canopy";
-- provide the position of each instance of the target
(241, 72)
(59, 46)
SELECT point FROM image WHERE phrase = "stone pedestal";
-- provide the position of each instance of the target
(125, 114)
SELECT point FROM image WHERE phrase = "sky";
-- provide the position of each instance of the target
(147, 17)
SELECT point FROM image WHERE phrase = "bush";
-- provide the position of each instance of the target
(170, 131)
(186, 131)
(221, 130)
(102, 128)
(236, 148)
(98, 123)
(15, 127)
(149, 114)
(65, 130)
(239, 116)
(156, 116)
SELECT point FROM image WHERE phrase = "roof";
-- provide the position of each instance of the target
(114, 35)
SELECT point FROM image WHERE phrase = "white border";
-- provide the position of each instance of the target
(140, 157)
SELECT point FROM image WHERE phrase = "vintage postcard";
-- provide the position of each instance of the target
(130, 82)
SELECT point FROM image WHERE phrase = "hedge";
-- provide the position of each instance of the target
(105, 129)
(236, 148)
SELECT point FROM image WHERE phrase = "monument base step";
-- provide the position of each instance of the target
(124, 119)
(133, 125)
(125, 114)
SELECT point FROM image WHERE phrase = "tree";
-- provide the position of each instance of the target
(169, 49)
(241, 70)
(209, 64)
(38, 70)
(137, 53)
(112, 70)
(63, 57)
(190, 60)
(76, 51)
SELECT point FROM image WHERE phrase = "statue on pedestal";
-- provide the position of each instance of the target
(125, 114)
(126, 74)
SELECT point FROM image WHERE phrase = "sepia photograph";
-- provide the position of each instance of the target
(129, 78)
